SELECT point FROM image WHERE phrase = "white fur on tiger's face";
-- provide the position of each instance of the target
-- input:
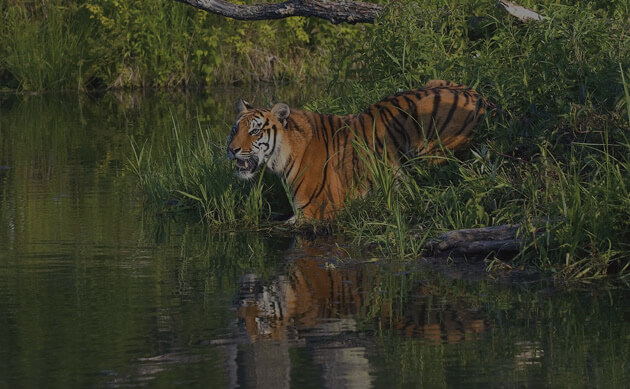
(256, 137)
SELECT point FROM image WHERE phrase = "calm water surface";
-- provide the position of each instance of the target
(97, 291)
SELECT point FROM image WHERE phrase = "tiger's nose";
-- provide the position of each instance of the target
(232, 152)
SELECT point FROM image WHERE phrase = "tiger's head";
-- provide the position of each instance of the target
(256, 137)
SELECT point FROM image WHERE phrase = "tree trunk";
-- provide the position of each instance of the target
(334, 11)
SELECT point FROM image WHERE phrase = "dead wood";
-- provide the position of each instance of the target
(498, 240)
(334, 11)
(521, 13)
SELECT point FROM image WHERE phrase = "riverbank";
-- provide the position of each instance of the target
(557, 151)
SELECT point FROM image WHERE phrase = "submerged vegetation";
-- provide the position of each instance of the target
(554, 158)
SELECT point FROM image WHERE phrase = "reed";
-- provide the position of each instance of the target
(194, 176)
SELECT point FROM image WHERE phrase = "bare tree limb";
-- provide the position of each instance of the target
(341, 11)
(521, 13)
(334, 11)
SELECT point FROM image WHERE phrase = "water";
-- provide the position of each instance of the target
(97, 291)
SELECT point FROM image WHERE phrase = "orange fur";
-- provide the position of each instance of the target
(317, 153)
(309, 294)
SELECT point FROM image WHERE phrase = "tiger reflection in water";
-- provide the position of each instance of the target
(312, 296)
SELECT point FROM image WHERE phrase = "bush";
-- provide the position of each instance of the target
(58, 44)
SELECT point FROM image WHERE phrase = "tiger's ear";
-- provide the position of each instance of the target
(281, 111)
(243, 106)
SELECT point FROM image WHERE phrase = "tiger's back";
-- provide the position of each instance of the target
(323, 157)
(428, 120)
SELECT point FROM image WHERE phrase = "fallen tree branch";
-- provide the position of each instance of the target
(500, 240)
(477, 241)
(334, 11)
(521, 13)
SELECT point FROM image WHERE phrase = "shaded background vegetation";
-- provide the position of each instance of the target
(555, 156)
(57, 44)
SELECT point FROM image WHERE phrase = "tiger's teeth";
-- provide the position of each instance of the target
(246, 165)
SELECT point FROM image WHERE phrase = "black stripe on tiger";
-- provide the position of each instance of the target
(388, 128)
(450, 114)
(400, 127)
(323, 156)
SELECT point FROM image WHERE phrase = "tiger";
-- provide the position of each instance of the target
(333, 310)
(320, 157)
(320, 287)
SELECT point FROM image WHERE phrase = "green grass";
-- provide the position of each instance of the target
(558, 152)
(43, 54)
(555, 158)
(196, 178)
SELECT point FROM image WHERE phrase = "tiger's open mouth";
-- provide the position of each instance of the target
(246, 166)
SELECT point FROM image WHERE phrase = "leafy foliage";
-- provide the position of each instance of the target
(74, 44)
